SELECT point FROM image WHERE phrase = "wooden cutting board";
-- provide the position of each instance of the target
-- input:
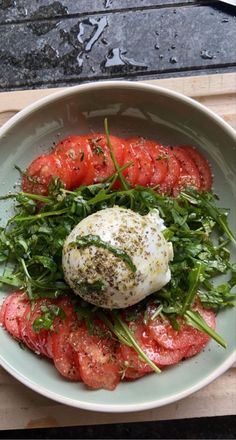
(22, 408)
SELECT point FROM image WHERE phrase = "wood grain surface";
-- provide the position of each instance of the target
(22, 408)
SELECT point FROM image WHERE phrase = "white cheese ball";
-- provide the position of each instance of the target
(140, 237)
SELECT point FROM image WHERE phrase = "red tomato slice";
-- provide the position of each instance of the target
(23, 327)
(143, 159)
(173, 172)
(36, 341)
(155, 352)
(3, 309)
(203, 167)
(15, 309)
(193, 350)
(59, 342)
(102, 160)
(63, 354)
(41, 171)
(79, 159)
(189, 174)
(162, 331)
(131, 173)
(159, 155)
(96, 357)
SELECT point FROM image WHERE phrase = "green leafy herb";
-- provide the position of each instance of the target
(86, 287)
(46, 320)
(94, 240)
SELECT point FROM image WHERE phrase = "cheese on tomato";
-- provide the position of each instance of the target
(115, 257)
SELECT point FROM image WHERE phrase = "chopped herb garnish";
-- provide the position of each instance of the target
(86, 287)
(46, 320)
(83, 241)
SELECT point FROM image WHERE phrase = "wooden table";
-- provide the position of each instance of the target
(30, 410)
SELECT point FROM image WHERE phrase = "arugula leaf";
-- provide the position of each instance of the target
(83, 241)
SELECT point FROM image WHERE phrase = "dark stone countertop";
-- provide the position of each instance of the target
(61, 43)
(45, 44)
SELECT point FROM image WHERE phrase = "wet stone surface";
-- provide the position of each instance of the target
(14, 10)
(138, 43)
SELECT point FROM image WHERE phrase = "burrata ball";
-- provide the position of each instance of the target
(116, 257)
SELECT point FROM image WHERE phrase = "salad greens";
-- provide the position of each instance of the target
(32, 241)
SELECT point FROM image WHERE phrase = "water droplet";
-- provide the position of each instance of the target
(99, 25)
(80, 59)
(173, 46)
(161, 56)
(104, 41)
(156, 46)
(22, 10)
(206, 55)
(115, 60)
(173, 60)
(107, 3)
(81, 33)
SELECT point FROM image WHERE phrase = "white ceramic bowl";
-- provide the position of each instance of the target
(132, 109)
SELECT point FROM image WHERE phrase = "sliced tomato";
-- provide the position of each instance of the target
(155, 352)
(189, 174)
(59, 342)
(23, 327)
(79, 159)
(41, 171)
(173, 172)
(64, 356)
(37, 341)
(96, 358)
(143, 159)
(131, 173)
(159, 155)
(203, 167)
(102, 161)
(3, 309)
(15, 309)
(193, 350)
(169, 338)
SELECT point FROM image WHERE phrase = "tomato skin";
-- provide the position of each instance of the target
(101, 157)
(14, 310)
(41, 171)
(62, 352)
(133, 366)
(78, 159)
(159, 157)
(63, 355)
(203, 167)
(173, 172)
(3, 308)
(143, 159)
(132, 171)
(189, 174)
(96, 358)
(187, 337)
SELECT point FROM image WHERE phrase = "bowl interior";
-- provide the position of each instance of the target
(131, 109)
